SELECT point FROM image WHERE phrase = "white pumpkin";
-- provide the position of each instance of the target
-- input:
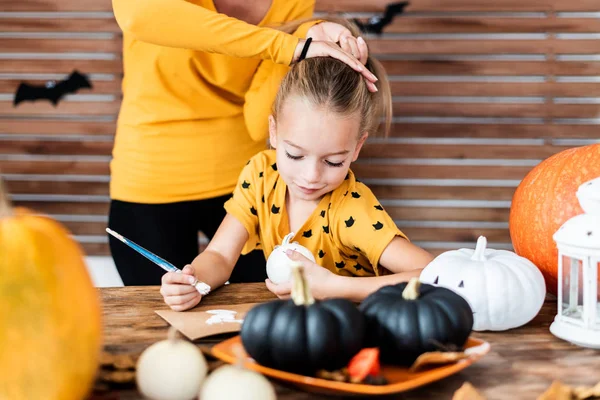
(234, 382)
(503, 289)
(171, 369)
(279, 265)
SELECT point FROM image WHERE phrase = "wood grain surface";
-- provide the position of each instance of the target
(522, 362)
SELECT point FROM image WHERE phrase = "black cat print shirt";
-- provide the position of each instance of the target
(347, 232)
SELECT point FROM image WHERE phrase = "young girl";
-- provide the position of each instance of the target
(321, 118)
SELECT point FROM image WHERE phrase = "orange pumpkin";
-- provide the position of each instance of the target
(50, 313)
(544, 200)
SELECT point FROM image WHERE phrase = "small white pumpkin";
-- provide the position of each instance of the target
(171, 369)
(279, 265)
(234, 382)
(503, 289)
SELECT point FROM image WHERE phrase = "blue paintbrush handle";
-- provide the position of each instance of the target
(202, 287)
(164, 264)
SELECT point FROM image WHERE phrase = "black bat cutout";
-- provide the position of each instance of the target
(376, 23)
(52, 91)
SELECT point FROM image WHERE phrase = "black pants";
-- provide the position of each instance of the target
(171, 232)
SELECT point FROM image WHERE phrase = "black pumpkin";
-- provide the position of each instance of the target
(301, 335)
(409, 319)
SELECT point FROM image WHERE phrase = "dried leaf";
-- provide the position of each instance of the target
(124, 361)
(119, 377)
(557, 391)
(467, 392)
(584, 392)
(437, 357)
(117, 361)
(338, 376)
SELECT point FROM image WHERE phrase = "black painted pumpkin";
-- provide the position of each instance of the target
(301, 335)
(409, 319)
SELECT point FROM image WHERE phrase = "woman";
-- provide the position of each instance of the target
(199, 82)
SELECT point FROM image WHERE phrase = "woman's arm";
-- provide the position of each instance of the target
(268, 77)
(263, 89)
(181, 24)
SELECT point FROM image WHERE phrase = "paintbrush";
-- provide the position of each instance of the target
(200, 286)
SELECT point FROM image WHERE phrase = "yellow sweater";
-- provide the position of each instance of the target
(347, 232)
(196, 95)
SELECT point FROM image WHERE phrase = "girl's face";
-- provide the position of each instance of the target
(314, 147)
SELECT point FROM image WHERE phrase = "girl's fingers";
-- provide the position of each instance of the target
(283, 289)
(176, 289)
(178, 278)
(177, 300)
(189, 304)
(188, 269)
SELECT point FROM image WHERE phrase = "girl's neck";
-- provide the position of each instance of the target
(299, 210)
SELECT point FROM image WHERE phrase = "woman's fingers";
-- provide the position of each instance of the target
(371, 86)
(350, 45)
(363, 49)
(324, 49)
(329, 49)
(345, 45)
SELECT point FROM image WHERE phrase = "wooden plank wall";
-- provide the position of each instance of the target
(483, 90)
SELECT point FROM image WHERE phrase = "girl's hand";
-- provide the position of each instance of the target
(319, 279)
(177, 289)
(352, 51)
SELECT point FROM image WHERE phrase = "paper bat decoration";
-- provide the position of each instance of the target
(376, 24)
(52, 91)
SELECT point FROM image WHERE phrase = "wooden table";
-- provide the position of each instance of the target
(522, 362)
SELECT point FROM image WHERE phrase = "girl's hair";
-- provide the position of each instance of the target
(328, 82)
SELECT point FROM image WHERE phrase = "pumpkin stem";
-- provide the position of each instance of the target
(301, 294)
(411, 291)
(5, 207)
(238, 352)
(479, 254)
(172, 335)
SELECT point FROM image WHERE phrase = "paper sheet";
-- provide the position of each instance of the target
(204, 321)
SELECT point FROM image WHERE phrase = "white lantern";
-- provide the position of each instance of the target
(578, 242)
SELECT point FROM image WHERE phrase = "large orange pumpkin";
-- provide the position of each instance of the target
(544, 200)
(50, 313)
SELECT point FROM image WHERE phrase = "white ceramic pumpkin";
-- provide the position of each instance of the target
(503, 289)
(279, 265)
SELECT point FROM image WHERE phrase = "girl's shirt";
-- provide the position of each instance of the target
(347, 232)
(197, 93)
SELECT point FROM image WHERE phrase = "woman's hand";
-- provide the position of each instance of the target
(177, 289)
(320, 280)
(336, 33)
(352, 51)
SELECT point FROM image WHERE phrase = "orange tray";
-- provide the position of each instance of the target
(400, 378)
